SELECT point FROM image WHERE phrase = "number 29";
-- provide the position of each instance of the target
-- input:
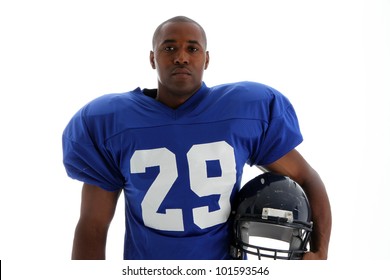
(200, 184)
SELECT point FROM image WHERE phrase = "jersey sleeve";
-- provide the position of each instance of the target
(281, 131)
(85, 157)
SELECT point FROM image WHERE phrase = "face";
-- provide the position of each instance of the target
(180, 57)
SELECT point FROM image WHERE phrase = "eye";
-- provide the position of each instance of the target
(169, 49)
(193, 49)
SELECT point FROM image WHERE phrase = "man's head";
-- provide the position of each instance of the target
(178, 19)
(179, 55)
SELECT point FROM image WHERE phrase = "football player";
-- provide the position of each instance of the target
(177, 153)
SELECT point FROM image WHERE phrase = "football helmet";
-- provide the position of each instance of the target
(274, 208)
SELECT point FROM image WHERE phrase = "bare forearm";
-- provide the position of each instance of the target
(89, 243)
(321, 214)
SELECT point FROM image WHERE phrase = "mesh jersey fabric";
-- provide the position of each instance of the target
(180, 169)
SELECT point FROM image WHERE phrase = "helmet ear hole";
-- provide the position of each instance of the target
(272, 207)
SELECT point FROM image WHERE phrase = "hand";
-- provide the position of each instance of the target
(314, 256)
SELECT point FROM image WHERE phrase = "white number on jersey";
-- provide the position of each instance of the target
(200, 183)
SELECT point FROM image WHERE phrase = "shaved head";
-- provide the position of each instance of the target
(176, 20)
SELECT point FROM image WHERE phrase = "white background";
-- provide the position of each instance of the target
(330, 58)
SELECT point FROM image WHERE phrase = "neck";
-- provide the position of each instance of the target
(174, 98)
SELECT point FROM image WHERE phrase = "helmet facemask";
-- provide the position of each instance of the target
(288, 242)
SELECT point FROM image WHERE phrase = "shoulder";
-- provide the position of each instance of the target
(102, 115)
(248, 90)
(253, 98)
(110, 103)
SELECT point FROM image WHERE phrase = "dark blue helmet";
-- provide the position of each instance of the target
(271, 207)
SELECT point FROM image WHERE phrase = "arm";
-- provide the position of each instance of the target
(97, 210)
(295, 166)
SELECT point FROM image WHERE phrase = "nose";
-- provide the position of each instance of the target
(181, 57)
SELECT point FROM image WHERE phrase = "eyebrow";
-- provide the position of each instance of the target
(174, 41)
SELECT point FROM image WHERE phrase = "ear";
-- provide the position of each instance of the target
(151, 60)
(207, 60)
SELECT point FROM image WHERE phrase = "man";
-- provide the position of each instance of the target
(178, 154)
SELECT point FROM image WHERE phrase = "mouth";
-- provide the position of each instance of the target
(180, 71)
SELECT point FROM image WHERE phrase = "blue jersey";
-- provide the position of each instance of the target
(180, 169)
